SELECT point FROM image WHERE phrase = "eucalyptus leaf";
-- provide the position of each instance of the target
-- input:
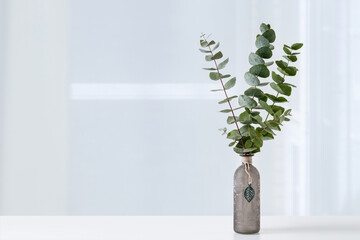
(277, 78)
(204, 51)
(287, 112)
(227, 99)
(210, 43)
(231, 83)
(247, 150)
(273, 125)
(270, 35)
(290, 58)
(225, 76)
(218, 55)
(245, 130)
(269, 63)
(277, 108)
(296, 46)
(255, 59)
(266, 106)
(223, 64)
(264, 27)
(264, 52)
(251, 79)
(263, 84)
(246, 101)
(234, 135)
(281, 64)
(203, 43)
(214, 76)
(289, 84)
(245, 118)
(208, 58)
(248, 143)
(281, 88)
(210, 69)
(286, 50)
(216, 90)
(226, 111)
(216, 46)
(254, 92)
(276, 99)
(260, 70)
(291, 71)
(231, 120)
(282, 71)
(267, 136)
(258, 142)
(232, 144)
(261, 41)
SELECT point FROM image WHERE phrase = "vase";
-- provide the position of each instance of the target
(246, 197)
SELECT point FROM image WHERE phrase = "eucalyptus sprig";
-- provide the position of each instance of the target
(248, 139)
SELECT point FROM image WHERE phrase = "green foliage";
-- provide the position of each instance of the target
(259, 114)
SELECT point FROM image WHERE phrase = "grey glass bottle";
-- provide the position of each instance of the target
(246, 214)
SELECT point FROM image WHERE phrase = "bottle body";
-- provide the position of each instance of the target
(246, 213)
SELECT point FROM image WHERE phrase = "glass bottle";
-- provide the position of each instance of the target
(246, 197)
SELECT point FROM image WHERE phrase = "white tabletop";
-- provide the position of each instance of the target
(175, 228)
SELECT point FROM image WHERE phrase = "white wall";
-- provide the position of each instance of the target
(34, 135)
(107, 111)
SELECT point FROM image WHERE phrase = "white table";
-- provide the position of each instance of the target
(175, 228)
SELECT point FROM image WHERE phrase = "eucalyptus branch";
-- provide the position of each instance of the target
(226, 95)
(277, 95)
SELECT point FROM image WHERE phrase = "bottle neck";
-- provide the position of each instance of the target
(246, 159)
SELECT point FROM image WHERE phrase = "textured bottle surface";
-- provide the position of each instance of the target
(246, 214)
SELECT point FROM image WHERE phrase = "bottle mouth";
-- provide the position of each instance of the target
(247, 155)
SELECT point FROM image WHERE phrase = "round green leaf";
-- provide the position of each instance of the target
(230, 120)
(251, 79)
(264, 27)
(257, 142)
(214, 76)
(266, 106)
(281, 64)
(234, 134)
(245, 101)
(208, 58)
(290, 58)
(264, 52)
(255, 59)
(296, 46)
(281, 88)
(260, 70)
(245, 118)
(277, 78)
(203, 43)
(248, 144)
(261, 41)
(270, 35)
(254, 92)
(291, 71)
(218, 55)
(276, 109)
(286, 50)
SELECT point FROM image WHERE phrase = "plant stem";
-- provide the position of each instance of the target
(222, 84)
